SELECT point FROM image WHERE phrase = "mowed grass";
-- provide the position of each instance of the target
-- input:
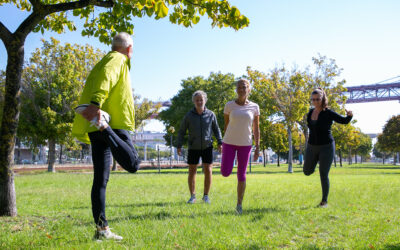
(149, 210)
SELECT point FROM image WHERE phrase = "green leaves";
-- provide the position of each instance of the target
(389, 140)
(161, 9)
(105, 23)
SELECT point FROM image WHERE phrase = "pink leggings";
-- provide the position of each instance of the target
(228, 156)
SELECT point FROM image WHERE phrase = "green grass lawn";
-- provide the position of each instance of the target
(149, 210)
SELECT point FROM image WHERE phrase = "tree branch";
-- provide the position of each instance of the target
(77, 5)
(35, 3)
(5, 34)
(41, 11)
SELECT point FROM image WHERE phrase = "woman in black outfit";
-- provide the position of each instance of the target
(321, 145)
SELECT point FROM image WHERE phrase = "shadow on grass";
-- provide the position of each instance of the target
(150, 204)
(164, 215)
(379, 168)
(215, 172)
(392, 246)
(135, 205)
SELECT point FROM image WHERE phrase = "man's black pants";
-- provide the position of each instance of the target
(117, 142)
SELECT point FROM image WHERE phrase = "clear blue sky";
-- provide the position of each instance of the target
(361, 35)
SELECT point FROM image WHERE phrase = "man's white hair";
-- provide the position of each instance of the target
(121, 41)
(201, 93)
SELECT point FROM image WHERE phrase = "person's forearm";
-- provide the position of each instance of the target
(257, 138)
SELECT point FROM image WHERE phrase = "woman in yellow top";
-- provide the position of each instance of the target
(106, 115)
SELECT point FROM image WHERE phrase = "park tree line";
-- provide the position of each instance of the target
(283, 95)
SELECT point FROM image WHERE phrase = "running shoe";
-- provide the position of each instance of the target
(104, 117)
(323, 204)
(206, 199)
(192, 200)
(239, 209)
(106, 235)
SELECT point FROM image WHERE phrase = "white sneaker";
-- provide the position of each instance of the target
(106, 235)
(104, 117)
(206, 199)
(192, 200)
(239, 209)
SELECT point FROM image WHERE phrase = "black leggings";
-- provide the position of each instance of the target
(324, 155)
(119, 143)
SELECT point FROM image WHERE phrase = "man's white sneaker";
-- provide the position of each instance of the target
(104, 120)
(106, 235)
(104, 117)
(206, 199)
(192, 200)
(239, 209)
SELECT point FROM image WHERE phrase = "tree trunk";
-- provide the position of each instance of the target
(350, 157)
(264, 157)
(334, 159)
(18, 158)
(61, 152)
(278, 159)
(290, 156)
(9, 124)
(383, 159)
(355, 157)
(340, 158)
(51, 156)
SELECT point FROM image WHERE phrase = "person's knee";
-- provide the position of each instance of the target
(207, 168)
(308, 172)
(242, 178)
(134, 167)
(225, 174)
(192, 169)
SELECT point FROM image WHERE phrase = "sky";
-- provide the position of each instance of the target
(361, 35)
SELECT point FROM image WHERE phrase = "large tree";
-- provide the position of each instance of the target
(364, 147)
(285, 88)
(278, 137)
(52, 83)
(110, 17)
(391, 134)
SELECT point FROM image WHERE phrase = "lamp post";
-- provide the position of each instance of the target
(171, 130)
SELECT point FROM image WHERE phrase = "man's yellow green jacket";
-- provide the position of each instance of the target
(109, 86)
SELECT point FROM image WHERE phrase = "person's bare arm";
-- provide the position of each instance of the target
(256, 132)
(226, 122)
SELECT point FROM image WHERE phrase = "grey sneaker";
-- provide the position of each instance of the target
(104, 117)
(106, 235)
(239, 209)
(192, 200)
(323, 204)
(206, 199)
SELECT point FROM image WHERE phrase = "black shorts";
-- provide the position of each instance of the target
(205, 154)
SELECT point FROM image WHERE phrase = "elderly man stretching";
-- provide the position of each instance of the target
(106, 115)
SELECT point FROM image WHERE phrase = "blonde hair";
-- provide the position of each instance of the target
(324, 98)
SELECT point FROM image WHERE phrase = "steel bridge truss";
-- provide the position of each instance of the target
(373, 93)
